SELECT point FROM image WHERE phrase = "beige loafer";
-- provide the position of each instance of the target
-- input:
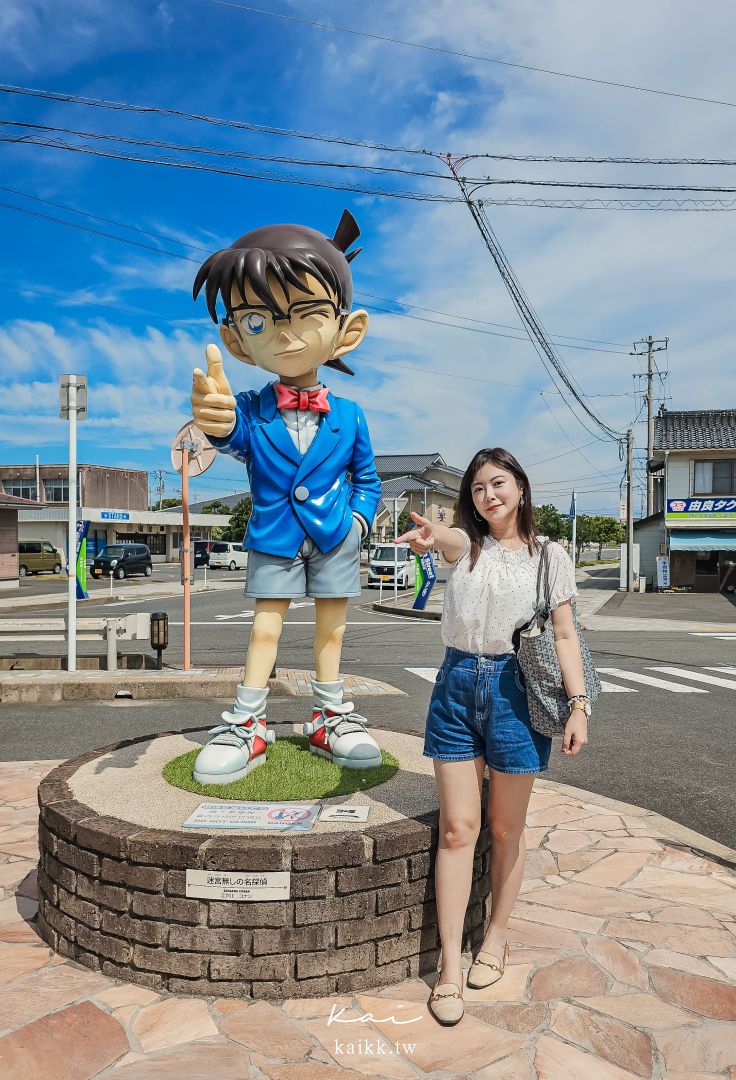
(446, 1003)
(484, 972)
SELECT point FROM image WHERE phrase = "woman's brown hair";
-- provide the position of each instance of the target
(466, 513)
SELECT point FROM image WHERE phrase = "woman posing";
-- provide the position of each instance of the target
(478, 714)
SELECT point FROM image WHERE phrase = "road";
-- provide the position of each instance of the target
(661, 736)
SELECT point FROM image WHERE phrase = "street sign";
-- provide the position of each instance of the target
(81, 409)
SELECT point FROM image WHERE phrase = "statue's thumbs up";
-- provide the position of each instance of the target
(213, 404)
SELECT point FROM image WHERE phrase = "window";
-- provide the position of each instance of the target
(57, 491)
(22, 489)
(715, 477)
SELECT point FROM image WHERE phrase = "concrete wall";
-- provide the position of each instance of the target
(123, 489)
(8, 549)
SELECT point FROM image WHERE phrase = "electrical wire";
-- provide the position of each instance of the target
(469, 56)
(672, 205)
(197, 166)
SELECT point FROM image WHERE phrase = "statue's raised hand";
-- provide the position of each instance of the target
(213, 404)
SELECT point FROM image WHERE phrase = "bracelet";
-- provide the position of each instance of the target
(577, 697)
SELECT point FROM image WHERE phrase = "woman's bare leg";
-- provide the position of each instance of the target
(507, 808)
(459, 786)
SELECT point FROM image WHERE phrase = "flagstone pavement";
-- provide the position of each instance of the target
(622, 965)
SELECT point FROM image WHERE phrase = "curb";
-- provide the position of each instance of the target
(673, 829)
(32, 687)
(408, 613)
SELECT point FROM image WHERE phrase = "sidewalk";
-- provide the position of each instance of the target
(622, 966)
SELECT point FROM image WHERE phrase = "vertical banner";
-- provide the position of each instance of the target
(663, 572)
(82, 530)
(424, 580)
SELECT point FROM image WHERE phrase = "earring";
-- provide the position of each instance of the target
(476, 515)
(521, 503)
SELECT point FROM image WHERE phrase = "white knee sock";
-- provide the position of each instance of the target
(327, 694)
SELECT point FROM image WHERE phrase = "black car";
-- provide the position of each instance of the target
(202, 550)
(123, 560)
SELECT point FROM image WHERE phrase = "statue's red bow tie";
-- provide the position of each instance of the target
(287, 397)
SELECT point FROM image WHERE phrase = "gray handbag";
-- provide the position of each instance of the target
(540, 668)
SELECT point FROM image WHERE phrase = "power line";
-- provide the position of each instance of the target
(470, 56)
(672, 205)
(198, 166)
(551, 361)
(176, 255)
(337, 140)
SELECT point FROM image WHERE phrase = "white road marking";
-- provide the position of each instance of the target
(649, 680)
(725, 635)
(696, 676)
(240, 615)
(611, 688)
(723, 670)
(428, 673)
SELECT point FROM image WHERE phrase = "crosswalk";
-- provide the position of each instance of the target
(714, 677)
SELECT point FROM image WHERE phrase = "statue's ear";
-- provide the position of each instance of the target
(353, 331)
(233, 344)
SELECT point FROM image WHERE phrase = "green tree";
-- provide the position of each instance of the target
(608, 532)
(239, 518)
(585, 532)
(165, 504)
(548, 521)
(405, 523)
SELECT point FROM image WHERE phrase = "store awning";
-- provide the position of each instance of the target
(694, 540)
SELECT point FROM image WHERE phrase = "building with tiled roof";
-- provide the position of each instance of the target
(694, 528)
(695, 429)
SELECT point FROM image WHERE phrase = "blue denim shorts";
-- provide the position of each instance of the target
(478, 708)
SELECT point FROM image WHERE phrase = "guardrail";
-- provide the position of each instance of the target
(109, 629)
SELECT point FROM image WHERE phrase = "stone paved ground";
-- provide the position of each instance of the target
(622, 966)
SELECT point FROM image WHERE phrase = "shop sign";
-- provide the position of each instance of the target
(702, 509)
(114, 515)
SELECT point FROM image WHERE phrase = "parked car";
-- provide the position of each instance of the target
(38, 557)
(227, 556)
(123, 560)
(202, 552)
(387, 560)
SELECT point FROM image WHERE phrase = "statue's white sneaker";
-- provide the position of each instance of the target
(233, 751)
(239, 744)
(338, 733)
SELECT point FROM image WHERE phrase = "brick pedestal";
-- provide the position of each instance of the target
(361, 913)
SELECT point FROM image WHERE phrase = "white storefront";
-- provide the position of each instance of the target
(160, 530)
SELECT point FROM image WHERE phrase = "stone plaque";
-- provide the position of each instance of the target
(238, 884)
(286, 817)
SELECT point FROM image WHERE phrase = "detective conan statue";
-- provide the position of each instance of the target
(287, 292)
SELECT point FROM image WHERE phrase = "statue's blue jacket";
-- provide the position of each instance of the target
(297, 495)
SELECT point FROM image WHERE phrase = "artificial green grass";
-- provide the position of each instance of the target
(291, 773)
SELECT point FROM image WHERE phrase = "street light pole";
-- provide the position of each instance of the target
(630, 510)
(71, 622)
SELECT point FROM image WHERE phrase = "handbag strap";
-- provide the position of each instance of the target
(544, 569)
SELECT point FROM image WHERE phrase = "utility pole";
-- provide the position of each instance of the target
(630, 510)
(159, 474)
(651, 346)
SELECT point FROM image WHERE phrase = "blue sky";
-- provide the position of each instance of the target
(123, 315)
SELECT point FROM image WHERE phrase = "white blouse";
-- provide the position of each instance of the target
(483, 607)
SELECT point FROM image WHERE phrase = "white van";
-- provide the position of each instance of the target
(387, 560)
(227, 556)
